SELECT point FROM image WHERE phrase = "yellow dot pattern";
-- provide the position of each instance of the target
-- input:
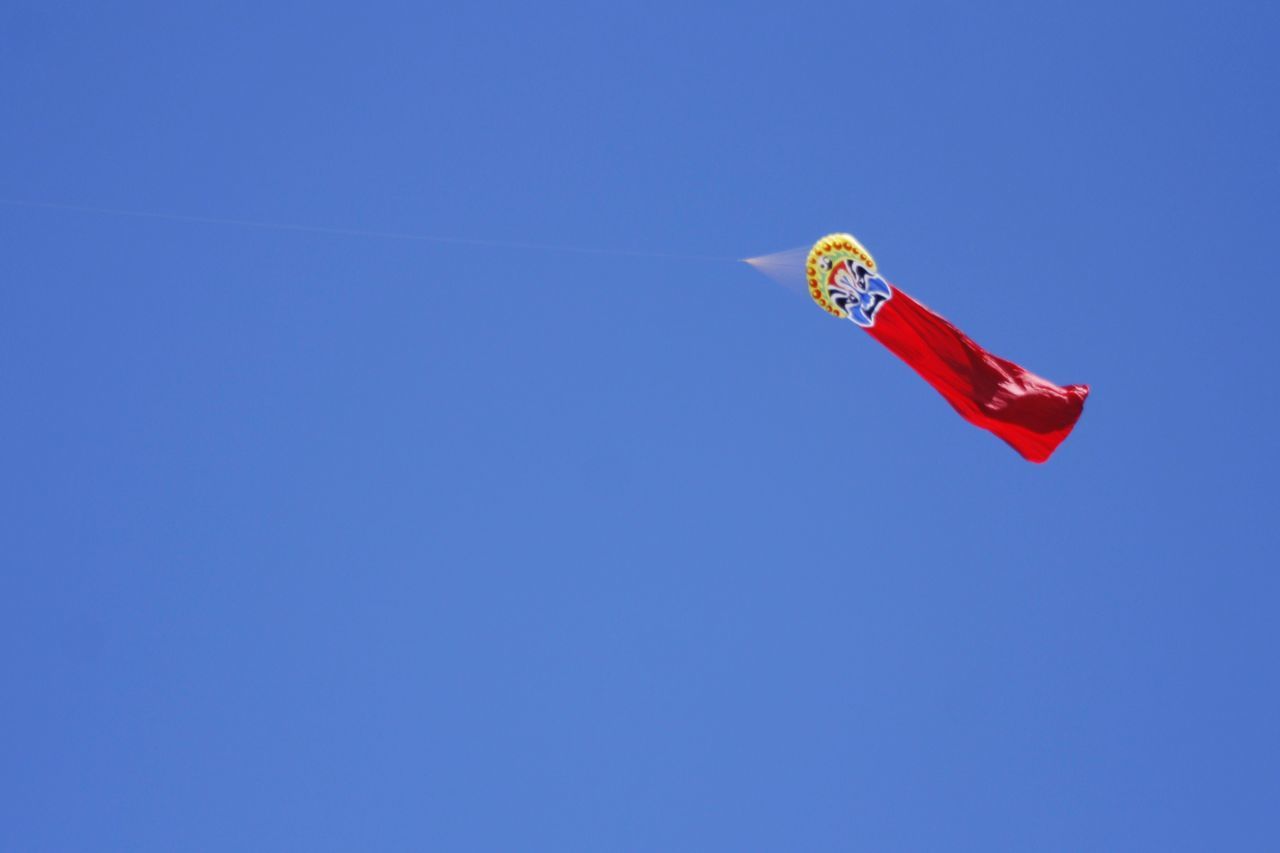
(838, 247)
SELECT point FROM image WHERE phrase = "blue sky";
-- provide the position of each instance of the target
(332, 543)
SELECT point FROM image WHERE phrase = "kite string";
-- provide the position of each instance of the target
(358, 232)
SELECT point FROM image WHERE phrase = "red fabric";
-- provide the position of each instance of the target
(1032, 414)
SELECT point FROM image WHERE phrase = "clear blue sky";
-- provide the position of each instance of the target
(316, 542)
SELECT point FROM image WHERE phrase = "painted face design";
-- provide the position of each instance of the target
(856, 290)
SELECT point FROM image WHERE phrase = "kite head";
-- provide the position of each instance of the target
(843, 280)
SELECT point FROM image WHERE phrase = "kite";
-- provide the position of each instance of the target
(1031, 414)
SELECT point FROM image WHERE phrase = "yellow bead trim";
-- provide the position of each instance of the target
(839, 247)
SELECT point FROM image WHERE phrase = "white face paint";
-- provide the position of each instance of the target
(856, 290)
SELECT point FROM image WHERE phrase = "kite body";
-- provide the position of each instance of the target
(1031, 414)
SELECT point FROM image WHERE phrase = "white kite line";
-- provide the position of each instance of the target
(356, 232)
